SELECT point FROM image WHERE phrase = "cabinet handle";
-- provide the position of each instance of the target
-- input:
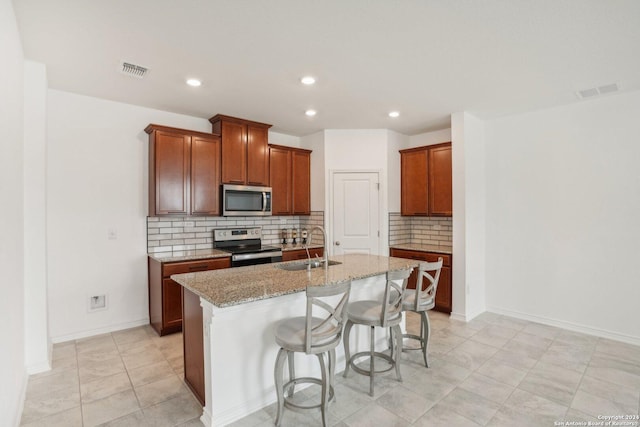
(198, 267)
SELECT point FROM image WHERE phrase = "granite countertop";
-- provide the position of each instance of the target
(423, 248)
(189, 255)
(233, 286)
(297, 246)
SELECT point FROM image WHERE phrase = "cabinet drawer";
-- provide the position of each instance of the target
(421, 256)
(302, 254)
(193, 266)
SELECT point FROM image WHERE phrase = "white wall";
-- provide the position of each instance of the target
(13, 376)
(38, 345)
(469, 219)
(97, 180)
(395, 143)
(362, 150)
(563, 209)
(282, 139)
(429, 138)
(315, 142)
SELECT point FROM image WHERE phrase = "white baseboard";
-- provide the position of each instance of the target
(39, 367)
(458, 316)
(575, 327)
(105, 330)
(21, 398)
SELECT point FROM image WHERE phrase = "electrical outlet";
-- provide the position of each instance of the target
(97, 302)
(112, 234)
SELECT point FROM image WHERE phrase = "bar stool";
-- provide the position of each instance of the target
(420, 301)
(385, 313)
(318, 333)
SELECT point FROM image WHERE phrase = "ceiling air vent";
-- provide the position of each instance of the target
(596, 91)
(133, 70)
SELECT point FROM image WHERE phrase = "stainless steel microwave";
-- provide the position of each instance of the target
(245, 200)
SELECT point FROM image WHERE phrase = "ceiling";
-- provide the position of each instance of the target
(423, 58)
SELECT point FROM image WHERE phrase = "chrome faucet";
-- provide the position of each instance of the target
(324, 242)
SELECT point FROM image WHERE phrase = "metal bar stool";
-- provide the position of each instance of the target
(318, 333)
(385, 313)
(421, 300)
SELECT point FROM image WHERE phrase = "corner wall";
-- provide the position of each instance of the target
(13, 375)
(563, 202)
(38, 344)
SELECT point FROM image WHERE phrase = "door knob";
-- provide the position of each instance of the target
(337, 243)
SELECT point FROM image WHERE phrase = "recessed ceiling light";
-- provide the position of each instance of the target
(194, 82)
(394, 114)
(310, 113)
(308, 80)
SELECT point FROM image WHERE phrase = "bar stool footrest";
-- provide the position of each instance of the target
(412, 337)
(359, 370)
(304, 380)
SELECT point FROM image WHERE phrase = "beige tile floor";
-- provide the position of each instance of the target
(493, 371)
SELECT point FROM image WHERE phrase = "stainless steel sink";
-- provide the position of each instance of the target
(299, 266)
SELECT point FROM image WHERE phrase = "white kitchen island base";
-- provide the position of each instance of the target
(240, 351)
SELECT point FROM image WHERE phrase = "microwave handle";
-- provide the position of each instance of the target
(264, 201)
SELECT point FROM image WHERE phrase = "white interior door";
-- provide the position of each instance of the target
(356, 213)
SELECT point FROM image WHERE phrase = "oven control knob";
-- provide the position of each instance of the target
(224, 233)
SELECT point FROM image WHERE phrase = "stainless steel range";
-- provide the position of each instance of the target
(245, 246)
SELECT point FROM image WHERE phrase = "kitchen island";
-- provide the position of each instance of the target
(240, 308)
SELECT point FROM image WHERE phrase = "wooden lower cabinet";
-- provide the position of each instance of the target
(172, 308)
(296, 254)
(165, 295)
(443, 294)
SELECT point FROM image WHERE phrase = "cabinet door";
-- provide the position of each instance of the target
(205, 176)
(193, 344)
(440, 200)
(414, 191)
(234, 153)
(443, 294)
(171, 306)
(301, 169)
(280, 178)
(171, 176)
(257, 155)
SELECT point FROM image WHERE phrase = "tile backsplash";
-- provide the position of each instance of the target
(419, 230)
(167, 234)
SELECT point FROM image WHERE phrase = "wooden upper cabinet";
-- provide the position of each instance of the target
(425, 180)
(234, 153)
(440, 191)
(257, 155)
(280, 178)
(290, 176)
(205, 175)
(301, 183)
(413, 178)
(184, 172)
(245, 154)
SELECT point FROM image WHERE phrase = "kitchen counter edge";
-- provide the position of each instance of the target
(423, 248)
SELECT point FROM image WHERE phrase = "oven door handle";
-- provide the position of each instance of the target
(243, 257)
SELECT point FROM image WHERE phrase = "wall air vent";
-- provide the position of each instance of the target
(596, 91)
(133, 70)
